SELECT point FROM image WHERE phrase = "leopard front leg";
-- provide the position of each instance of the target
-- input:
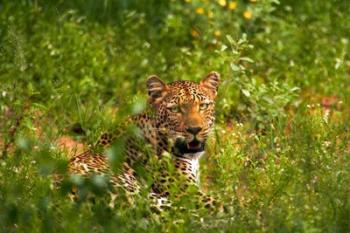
(159, 202)
(210, 203)
(126, 181)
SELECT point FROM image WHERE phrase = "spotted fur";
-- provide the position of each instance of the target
(179, 121)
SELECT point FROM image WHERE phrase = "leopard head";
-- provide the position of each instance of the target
(184, 111)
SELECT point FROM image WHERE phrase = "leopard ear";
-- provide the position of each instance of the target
(211, 83)
(157, 89)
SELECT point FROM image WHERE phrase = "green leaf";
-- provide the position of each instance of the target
(235, 67)
(247, 59)
(246, 92)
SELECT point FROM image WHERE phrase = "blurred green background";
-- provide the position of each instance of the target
(279, 156)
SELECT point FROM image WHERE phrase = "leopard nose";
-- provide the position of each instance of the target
(194, 130)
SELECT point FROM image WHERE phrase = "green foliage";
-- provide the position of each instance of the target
(264, 103)
(280, 158)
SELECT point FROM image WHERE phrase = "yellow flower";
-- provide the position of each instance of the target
(217, 33)
(194, 33)
(232, 5)
(248, 14)
(210, 14)
(222, 2)
(200, 10)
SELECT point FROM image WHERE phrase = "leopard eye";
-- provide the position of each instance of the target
(174, 109)
(203, 106)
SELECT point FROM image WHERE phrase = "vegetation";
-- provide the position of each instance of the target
(280, 155)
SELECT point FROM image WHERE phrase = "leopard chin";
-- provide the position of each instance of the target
(182, 147)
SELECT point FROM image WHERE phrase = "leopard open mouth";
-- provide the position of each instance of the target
(194, 145)
(182, 147)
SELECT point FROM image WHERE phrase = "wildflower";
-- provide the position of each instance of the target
(200, 10)
(232, 5)
(210, 14)
(222, 2)
(329, 101)
(248, 14)
(326, 143)
(217, 33)
(194, 33)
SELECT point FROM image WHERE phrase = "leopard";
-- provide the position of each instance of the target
(178, 121)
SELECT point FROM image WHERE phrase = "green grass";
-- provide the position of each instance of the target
(279, 156)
